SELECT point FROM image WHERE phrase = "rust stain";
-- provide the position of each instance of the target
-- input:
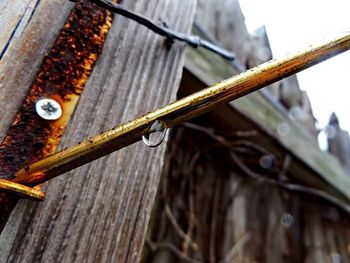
(62, 77)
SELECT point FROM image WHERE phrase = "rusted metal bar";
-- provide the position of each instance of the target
(61, 77)
(180, 111)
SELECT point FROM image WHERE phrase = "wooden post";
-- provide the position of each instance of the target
(100, 215)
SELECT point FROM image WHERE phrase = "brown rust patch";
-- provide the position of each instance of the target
(62, 76)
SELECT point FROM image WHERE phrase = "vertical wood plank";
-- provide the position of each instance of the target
(315, 244)
(100, 212)
(27, 30)
(225, 21)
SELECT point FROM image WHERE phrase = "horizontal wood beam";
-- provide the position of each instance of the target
(209, 68)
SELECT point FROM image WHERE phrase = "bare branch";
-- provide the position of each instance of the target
(291, 187)
(229, 256)
(156, 248)
(178, 229)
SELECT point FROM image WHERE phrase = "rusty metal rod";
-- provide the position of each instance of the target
(180, 111)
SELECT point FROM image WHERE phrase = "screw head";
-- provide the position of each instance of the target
(48, 109)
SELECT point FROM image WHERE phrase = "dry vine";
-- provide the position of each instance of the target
(194, 202)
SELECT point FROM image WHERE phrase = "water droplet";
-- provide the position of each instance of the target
(266, 162)
(287, 220)
(155, 138)
(283, 129)
(295, 112)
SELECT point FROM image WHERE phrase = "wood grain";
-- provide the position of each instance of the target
(27, 30)
(249, 220)
(252, 222)
(269, 116)
(224, 20)
(101, 213)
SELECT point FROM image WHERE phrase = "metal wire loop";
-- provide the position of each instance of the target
(170, 34)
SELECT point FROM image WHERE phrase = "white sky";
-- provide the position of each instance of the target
(294, 24)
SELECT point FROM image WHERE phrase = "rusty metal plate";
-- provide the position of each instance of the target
(62, 76)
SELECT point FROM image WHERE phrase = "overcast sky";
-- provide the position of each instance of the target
(294, 24)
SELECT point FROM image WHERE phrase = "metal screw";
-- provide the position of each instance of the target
(48, 109)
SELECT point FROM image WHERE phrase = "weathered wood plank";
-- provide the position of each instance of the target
(249, 221)
(274, 121)
(100, 212)
(27, 30)
(225, 21)
(339, 142)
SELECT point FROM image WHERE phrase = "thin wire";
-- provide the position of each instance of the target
(206, 35)
(170, 34)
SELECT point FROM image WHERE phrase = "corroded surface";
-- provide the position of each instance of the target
(180, 111)
(62, 77)
(63, 74)
(100, 212)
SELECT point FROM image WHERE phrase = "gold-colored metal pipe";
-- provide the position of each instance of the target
(180, 111)
(22, 190)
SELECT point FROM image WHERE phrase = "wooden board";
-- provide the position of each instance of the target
(100, 212)
(224, 20)
(27, 32)
(209, 211)
(271, 118)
